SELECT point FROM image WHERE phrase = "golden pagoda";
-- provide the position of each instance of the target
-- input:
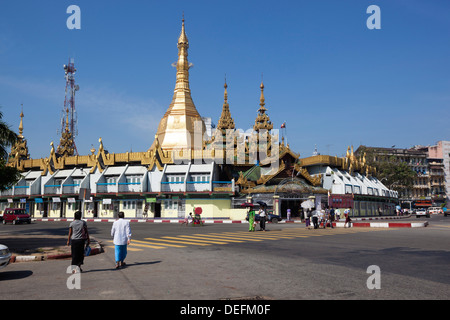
(176, 128)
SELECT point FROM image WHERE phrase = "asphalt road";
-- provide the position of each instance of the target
(225, 261)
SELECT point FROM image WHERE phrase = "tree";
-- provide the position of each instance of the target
(8, 175)
(392, 172)
(395, 174)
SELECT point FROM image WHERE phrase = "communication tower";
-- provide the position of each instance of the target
(69, 128)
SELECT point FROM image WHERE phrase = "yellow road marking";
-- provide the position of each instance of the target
(183, 241)
(164, 244)
(200, 240)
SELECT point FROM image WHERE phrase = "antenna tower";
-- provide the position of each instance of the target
(69, 113)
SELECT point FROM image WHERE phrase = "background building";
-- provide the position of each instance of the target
(431, 183)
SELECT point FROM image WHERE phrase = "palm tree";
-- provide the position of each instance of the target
(8, 175)
(7, 138)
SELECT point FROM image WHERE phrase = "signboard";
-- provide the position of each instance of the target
(422, 203)
(39, 200)
(150, 200)
(106, 201)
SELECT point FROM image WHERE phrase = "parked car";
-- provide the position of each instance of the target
(5, 256)
(269, 217)
(435, 210)
(422, 213)
(15, 216)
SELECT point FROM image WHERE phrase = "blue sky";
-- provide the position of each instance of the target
(335, 82)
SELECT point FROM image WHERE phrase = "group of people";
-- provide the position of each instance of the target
(316, 218)
(251, 216)
(79, 240)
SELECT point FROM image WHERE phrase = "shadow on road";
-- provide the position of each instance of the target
(128, 265)
(15, 275)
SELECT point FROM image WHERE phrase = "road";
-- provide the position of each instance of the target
(225, 261)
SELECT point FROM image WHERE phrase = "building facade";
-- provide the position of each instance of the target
(429, 186)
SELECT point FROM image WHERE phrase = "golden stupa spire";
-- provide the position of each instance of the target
(262, 120)
(19, 151)
(176, 128)
(225, 121)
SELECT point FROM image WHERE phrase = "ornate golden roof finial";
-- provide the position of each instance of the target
(225, 121)
(19, 151)
(66, 145)
(262, 100)
(262, 120)
(183, 38)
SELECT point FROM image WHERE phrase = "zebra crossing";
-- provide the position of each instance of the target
(235, 237)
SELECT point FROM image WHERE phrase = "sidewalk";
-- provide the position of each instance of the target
(21, 251)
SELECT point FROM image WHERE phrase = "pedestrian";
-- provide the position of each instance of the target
(78, 238)
(331, 217)
(262, 219)
(186, 219)
(121, 232)
(308, 219)
(315, 219)
(288, 214)
(347, 218)
(322, 219)
(338, 214)
(251, 219)
(145, 214)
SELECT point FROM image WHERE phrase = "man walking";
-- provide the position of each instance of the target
(121, 232)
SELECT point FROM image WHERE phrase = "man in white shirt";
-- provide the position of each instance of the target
(121, 232)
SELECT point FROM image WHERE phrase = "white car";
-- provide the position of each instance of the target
(5, 256)
(422, 213)
(435, 210)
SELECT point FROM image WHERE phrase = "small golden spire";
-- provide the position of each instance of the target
(21, 123)
(262, 120)
(183, 37)
(67, 119)
(261, 99)
(225, 121)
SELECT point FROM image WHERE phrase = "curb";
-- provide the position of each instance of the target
(96, 249)
(357, 222)
(383, 224)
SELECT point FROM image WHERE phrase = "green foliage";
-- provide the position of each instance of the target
(393, 173)
(396, 175)
(8, 175)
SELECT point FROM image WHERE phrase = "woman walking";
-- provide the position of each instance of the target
(121, 232)
(251, 219)
(78, 238)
